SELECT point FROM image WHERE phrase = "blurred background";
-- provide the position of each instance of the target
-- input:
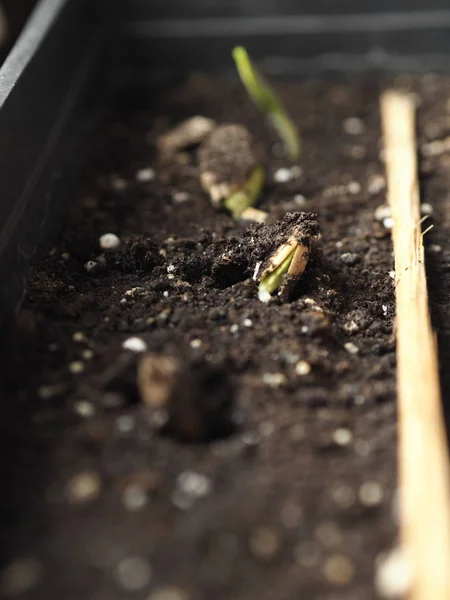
(13, 14)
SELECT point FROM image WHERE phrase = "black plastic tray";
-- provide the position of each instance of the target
(73, 53)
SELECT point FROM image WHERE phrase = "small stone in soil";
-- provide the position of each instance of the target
(342, 436)
(20, 576)
(264, 543)
(370, 494)
(134, 344)
(339, 569)
(393, 575)
(84, 487)
(108, 241)
(133, 573)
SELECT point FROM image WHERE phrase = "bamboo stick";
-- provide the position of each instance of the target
(422, 448)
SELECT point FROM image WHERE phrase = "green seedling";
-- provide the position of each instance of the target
(247, 195)
(266, 99)
(289, 259)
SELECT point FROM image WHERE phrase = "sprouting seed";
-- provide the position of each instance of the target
(267, 101)
(289, 259)
(247, 195)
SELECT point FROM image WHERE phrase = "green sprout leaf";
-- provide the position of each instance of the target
(272, 281)
(266, 99)
(248, 194)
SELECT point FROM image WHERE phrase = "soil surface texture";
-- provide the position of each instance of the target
(262, 465)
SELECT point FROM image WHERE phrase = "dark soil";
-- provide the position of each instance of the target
(266, 502)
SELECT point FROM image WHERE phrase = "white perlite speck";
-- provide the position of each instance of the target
(353, 126)
(194, 484)
(256, 271)
(180, 197)
(299, 200)
(370, 493)
(303, 368)
(20, 576)
(376, 184)
(426, 209)
(234, 328)
(144, 175)
(354, 187)
(351, 348)
(135, 344)
(393, 575)
(388, 222)
(274, 380)
(134, 573)
(196, 343)
(84, 487)
(392, 275)
(134, 498)
(342, 436)
(90, 265)
(76, 367)
(108, 241)
(382, 212)
(118, 184)
(264, 296)
(78, 336)
(87, 354)
(84, 409)
(282, 175)
(247, 323)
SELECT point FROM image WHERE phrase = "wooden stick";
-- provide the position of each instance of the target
(422, 447)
